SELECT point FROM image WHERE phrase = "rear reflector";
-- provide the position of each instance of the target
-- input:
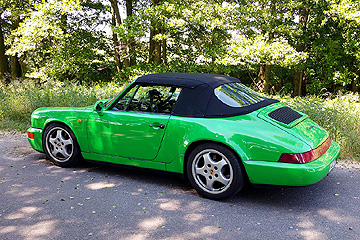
(31, 135)
(306, 156)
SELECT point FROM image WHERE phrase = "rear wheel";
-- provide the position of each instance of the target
(214, 171)
(60, 145)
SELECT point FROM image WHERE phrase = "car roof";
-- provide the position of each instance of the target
(197, 98)
(187, 80)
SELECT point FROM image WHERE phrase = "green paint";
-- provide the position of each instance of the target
(123, 137)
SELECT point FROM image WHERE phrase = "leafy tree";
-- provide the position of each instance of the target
(270, 21)
(260, 49)
(55, 41)
(11, 14)
(194, 32)
(4, 64)
(348, 12)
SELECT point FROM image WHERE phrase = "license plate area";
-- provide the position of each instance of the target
(332, 165)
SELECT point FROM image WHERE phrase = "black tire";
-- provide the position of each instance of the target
(60, 145)
(214, 171)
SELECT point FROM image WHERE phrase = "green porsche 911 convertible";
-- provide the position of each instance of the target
(210, 128)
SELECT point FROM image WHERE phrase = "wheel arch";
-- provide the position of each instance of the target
(75, 157)
(52, 121)
(193, 145)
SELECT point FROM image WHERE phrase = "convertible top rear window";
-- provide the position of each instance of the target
(237, 95)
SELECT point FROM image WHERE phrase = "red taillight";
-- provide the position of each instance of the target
(306, 156)
(31, 135)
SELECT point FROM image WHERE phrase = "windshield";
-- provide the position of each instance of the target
(237, 95)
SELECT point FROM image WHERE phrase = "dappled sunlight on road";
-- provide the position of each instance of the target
(192, 218)
(151, 223)
(55, 169)
(138, 236)
(21, 192)
(25, 212)
(26, 226)
(306, 223)
(40, 230)
(7, 229)
(308, 228)
(43, 201)
(169, 204)
(333, 215)
(99, 185)
(312, 234)
(209, 230)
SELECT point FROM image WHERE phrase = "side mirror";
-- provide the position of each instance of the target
(99, 107)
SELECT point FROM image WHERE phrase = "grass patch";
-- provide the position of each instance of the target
(339, 115)
(21, 98)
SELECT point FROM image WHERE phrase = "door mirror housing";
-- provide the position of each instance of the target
(99, 107)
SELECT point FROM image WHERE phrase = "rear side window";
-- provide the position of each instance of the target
(237, 95)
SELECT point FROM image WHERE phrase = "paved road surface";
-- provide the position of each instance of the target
(41, 201)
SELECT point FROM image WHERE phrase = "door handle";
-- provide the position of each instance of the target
(162, 126)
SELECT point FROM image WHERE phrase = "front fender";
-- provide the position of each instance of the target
(74, 118)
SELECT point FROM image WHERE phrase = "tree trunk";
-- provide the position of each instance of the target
(164, 53)
(116, 19)
(154, 46)
(157, 52)
(63, 20)
(261, 78)
(151, 44)
(214, 38)
(116, 12)
(264, 78)
(131, 44)
(14, 60)
(4, 64)
(354, 82)
(267, 78)
(263, 81)
(353, 86)
(299, 78)
(298, 81)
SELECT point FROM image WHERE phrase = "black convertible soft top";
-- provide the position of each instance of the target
(197, 99)
(187, 80)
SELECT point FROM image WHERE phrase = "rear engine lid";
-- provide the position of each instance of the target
(294, 122)
(282, 115)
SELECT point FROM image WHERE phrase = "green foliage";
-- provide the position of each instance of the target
(258, 50)
(190, 29)
(339, 115)
(54, 44)
(65, 40)
(332, 61)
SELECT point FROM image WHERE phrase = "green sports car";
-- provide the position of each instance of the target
(210, 128)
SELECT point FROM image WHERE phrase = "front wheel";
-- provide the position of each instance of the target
(214, 171)
(60, 145)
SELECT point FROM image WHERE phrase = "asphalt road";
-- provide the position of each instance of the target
(41, 201)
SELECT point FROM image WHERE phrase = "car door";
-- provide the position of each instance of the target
(134, 125)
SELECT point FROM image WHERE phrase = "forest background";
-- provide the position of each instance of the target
(69, 53)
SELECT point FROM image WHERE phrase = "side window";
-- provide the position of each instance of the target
(124, 101)
(156, 99)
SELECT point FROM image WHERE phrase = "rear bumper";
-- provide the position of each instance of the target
(36, 143)
(290, 174)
